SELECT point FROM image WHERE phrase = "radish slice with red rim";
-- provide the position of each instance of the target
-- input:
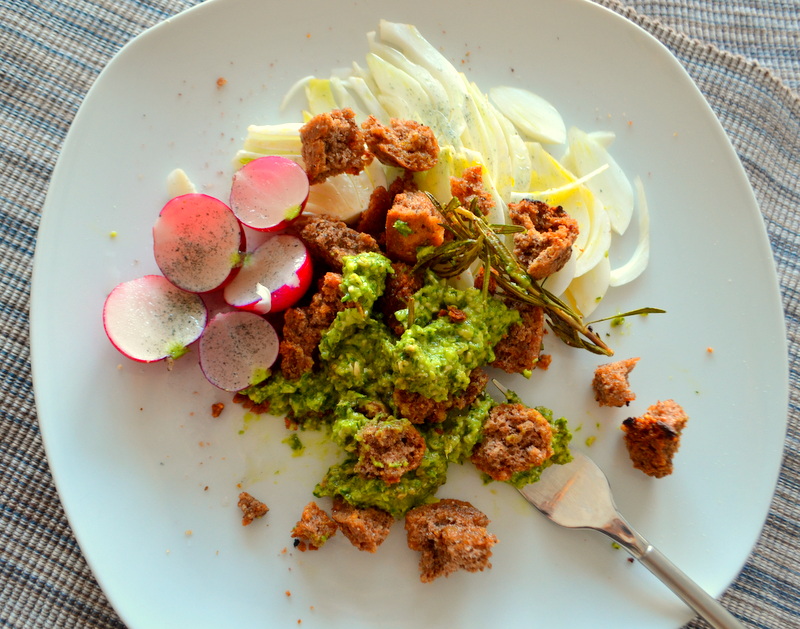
(237, 349)
(269, 193)
(273, 277)
(149, 319)
(197, 242)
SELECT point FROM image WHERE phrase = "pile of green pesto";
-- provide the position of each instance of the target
(362, 362)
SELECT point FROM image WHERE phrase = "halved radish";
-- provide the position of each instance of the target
(237, 349)
(150, 319)
(269, 193)
(196, 242)
(273, 277)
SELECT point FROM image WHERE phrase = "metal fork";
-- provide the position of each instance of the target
(577, 495)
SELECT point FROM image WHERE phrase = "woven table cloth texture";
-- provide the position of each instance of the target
(743, 54)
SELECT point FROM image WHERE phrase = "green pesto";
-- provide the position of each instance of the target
(362, 362)
(436, 354)
(311, 395)
(403, 228)
(348, 421)
(414, 488)
(293, 441)
(364, 278)
(358, 357)
(384, 425)
(457, 435)
(448, 442)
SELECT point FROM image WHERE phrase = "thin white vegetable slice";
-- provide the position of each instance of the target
(558, 282)
(532, 115)
(345, 196)
(178, 183)
(587, 291)
(344, 99)
(401, 94)
(603, 138)
(319, 95)
(293, 91)
(436, 114)
(361, 88)
(598, 239)
(567, 187)
(408, 40)
(641, 256)
(611, 186)
(278, 139)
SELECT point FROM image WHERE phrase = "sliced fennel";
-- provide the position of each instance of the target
(532, 115)
(345, 196)
(641, 256)
(178, 183)
(587, 291)
(405, 76)
(612, 187)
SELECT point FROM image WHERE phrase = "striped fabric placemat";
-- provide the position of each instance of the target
(744, 56)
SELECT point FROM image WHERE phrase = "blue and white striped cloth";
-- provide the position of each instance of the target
(744, 56)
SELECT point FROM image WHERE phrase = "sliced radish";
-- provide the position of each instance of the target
(269, 193)
(237, 349)
(196, 242)
(273, 277)
(150, 319)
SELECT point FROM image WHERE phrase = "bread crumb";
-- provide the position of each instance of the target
(251, 507)
(216, 409)
(653, 439)
(222, 81)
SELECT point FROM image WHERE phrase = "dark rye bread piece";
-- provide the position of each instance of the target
(450, 535)
(610, 383)
(653, 439)
(365, 528)
(314, 528)
(388, 449)
(515, 438)
(333, 144)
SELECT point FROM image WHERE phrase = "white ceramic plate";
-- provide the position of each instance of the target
(149, 479)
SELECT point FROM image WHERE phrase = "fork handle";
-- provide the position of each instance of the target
(692, 594)
(706, 606)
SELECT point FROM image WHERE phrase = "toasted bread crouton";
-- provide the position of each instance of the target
(610, 383)
(331, 240)
(546, 245)
(333, 144)
(365, 528)
(387, 449)
(518, 351)
(313, 529)
(373, 219)
(469, 188)
(404, 143)
(451, 535)
(653, 439)
(515, 439)
(400, 286)
(303, 327)
(419, 409)
(412, 222)
(251, 507)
